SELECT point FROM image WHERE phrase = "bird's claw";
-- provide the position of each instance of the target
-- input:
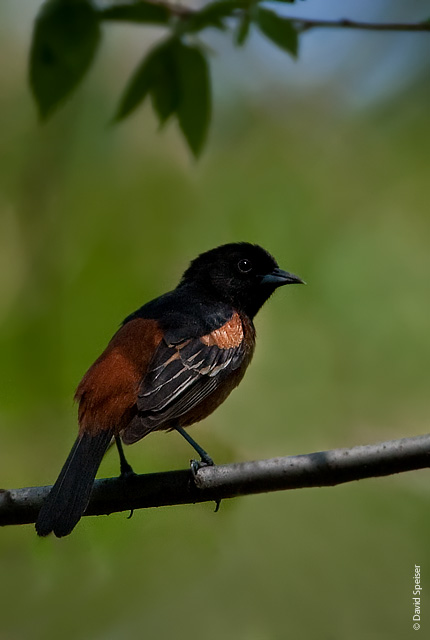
(195, 465)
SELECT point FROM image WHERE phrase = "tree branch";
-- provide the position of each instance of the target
(326, 468)
(305, 24)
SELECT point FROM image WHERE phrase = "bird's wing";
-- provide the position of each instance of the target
(183, 374)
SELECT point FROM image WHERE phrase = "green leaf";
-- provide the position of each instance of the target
(243, 28)
(65, 39)
(137, 12)
(165, 90)
(176, 76)
(194, 108)
(143, 80)
(280, 30)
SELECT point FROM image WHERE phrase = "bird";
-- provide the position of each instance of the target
(170, 364)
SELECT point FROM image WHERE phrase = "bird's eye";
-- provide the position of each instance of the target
(244, 266)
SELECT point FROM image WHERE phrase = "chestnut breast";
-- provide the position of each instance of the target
(107, 393)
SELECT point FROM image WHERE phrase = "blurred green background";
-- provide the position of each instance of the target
(94, 221)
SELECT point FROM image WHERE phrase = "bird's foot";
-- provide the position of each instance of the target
(205, 461)
(195, 465)
(126, 471)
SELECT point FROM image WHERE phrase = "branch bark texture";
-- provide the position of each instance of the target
(321, 469)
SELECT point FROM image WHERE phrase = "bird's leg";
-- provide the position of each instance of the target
(125, 467)
(204, 456)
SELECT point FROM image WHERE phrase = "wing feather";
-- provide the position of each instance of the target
(169, 377)
(183, 373)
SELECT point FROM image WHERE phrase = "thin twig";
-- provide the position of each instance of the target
(305, 24)
(326, 468)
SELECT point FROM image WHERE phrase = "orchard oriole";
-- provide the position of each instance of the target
(172, 363)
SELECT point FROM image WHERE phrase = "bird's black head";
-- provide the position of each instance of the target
(241, 274)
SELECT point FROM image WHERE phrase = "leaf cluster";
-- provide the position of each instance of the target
(175, 74)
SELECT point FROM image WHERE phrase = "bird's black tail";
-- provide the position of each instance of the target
(70, 495)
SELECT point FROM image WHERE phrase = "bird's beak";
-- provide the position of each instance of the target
(279, 277)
